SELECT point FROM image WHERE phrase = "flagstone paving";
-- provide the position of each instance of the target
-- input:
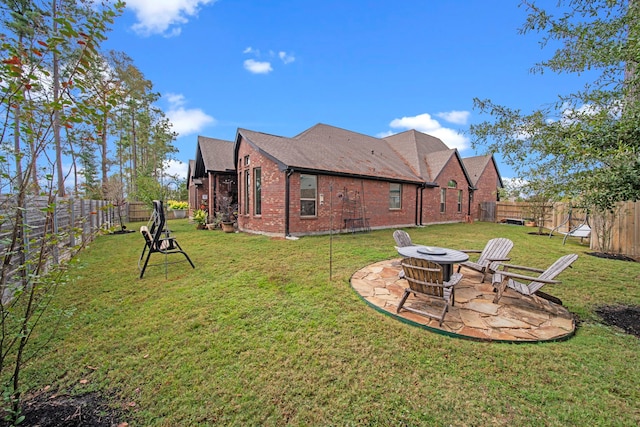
(515, 318)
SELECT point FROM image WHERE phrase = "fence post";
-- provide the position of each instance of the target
(56, 255)
(72, 222)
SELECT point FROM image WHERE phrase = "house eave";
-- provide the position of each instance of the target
(348, 175)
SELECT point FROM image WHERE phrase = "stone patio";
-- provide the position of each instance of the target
(516, 318)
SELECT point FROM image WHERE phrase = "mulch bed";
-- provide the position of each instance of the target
(624, 317)
(607, 255)
(53, 410)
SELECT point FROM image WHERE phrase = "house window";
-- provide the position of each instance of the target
(443, 200)
(247, 186)
(257, 191)
(452, 184)
(240, 201)
(459, 200)
(395, 195)
(246, 161)
(308, 191)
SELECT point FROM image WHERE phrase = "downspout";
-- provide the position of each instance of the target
(288, 173)
(422, 187)
(419, 200)
(210, 195)
(418, 206)
(212, 211)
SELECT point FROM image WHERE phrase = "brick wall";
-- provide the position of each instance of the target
(431, 196)
(487, 189)
(271, 220)
(332, 191)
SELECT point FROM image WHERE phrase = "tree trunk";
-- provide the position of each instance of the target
(56, 112)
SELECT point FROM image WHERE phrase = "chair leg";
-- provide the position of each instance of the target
(141, 256)
(502, 286)
(444, 311)
(185, 254)
(404, 298)
(188, 259)
(146, 261)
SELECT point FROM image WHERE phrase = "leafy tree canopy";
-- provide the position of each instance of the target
(585, 144)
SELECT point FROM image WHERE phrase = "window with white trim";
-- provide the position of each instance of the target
(443, 200)
(308, 195)
(395, 195)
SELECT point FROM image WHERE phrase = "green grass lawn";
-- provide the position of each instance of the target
(258, 334)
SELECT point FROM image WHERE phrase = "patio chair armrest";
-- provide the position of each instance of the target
(523, 277)
(453, 280)
(520, 267)
(470, 251)
(498, 259)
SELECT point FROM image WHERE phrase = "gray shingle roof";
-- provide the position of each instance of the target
(328, 148)
(216, 155)
(409, 156)
(476, 166)
(417, 149)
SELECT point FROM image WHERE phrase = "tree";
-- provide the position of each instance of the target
(29, 271)
(587, 142)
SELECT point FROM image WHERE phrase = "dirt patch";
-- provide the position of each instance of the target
(624, 317)
(53, 410)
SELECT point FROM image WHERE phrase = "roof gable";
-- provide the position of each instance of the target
(477, 165)
(213, 155)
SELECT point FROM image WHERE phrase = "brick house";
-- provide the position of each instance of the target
(486, 179)
(211, 175)
(327, 178)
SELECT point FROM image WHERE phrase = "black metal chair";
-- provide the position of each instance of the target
(158, 240)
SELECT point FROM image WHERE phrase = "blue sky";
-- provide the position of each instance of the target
(374, 67)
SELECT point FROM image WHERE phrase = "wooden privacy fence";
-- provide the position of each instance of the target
(73, 222)
(141, 211)
(138, 211)
(617, 232)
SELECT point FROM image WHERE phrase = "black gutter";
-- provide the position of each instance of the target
(351, 175)
(287, 175)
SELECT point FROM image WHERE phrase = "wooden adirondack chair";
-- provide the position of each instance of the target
(494, 252)
(402, 238)
(425, 278)
(505, 278)
(158, 240)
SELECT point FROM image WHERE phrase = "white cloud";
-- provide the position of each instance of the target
(175, 168)
(421, 122)
(186, 121)
(257, 67)
(286, 58)
(426, 124)
(455, 117)
(164, 16)
(514, 187)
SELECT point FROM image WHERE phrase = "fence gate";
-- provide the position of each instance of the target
(488, 211)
